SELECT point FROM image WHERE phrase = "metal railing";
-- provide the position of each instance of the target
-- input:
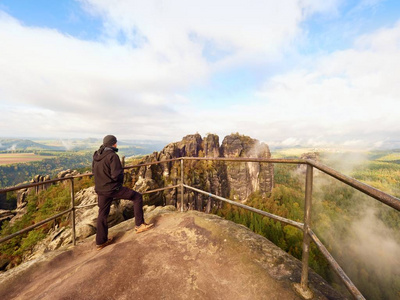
(308, 233)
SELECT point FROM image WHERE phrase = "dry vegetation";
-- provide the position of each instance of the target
(15, 158)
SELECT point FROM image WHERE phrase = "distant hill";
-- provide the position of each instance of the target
(20, 144)
(126, 147)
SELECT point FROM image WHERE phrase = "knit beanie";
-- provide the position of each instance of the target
(109, 140)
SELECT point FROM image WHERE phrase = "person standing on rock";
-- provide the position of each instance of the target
(108, 179)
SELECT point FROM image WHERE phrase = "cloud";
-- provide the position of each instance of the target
(51, 78)
(136, 79)
(54, 82)
(182, 27)
(349, 93)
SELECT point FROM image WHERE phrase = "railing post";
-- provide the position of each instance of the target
(303, 288)
(73, 211)
(182, 170)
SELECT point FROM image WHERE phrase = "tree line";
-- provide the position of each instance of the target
(14, 174)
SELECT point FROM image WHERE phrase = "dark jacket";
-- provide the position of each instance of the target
(107, 170)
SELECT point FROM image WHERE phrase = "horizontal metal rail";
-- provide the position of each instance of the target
(250, 159)
(26, 186)
(161, 189)
(29, 185)
(249, 208)
(366, 189)
(362, 187)
(143, 193)
(35, 225)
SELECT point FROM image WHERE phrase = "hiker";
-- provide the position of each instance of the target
(108, 179)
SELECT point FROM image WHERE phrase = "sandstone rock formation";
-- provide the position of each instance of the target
(249, 177)
(67, 173)
(188, 255)
(22, 194)
(228, 179)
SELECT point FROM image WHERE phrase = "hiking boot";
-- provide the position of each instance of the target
(143, 227)
(99, 247)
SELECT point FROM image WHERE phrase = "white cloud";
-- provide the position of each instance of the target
(57, 84)
(237, 28)
(86, 84)
(350, 92)
(58, 77)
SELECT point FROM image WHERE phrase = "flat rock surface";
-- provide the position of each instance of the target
(188, 255)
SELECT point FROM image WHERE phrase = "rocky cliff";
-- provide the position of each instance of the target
(227, 179)
(187, 255)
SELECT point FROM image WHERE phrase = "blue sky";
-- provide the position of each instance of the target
(309, 72)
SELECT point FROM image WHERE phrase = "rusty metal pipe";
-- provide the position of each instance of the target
(25, 186)
(143, 193)
(366, 189)
(161, 189)
(237, 159)
(249, 208)
(182, 184)
(73, 212)
(307, 225)
(250, 159)
(34, 226)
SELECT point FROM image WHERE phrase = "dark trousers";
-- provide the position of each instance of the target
(104, 203)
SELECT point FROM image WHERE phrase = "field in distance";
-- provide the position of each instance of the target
(16, 158)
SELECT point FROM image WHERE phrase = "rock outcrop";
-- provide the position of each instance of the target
(246, 178)
(85, 220)
(188, 255)
(227, 179)
(67, 173)
(23, 193)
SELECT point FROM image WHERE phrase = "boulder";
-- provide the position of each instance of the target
(67, 173)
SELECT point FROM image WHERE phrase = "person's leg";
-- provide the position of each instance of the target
(138, 208)
(104, 203)
(137, 198)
